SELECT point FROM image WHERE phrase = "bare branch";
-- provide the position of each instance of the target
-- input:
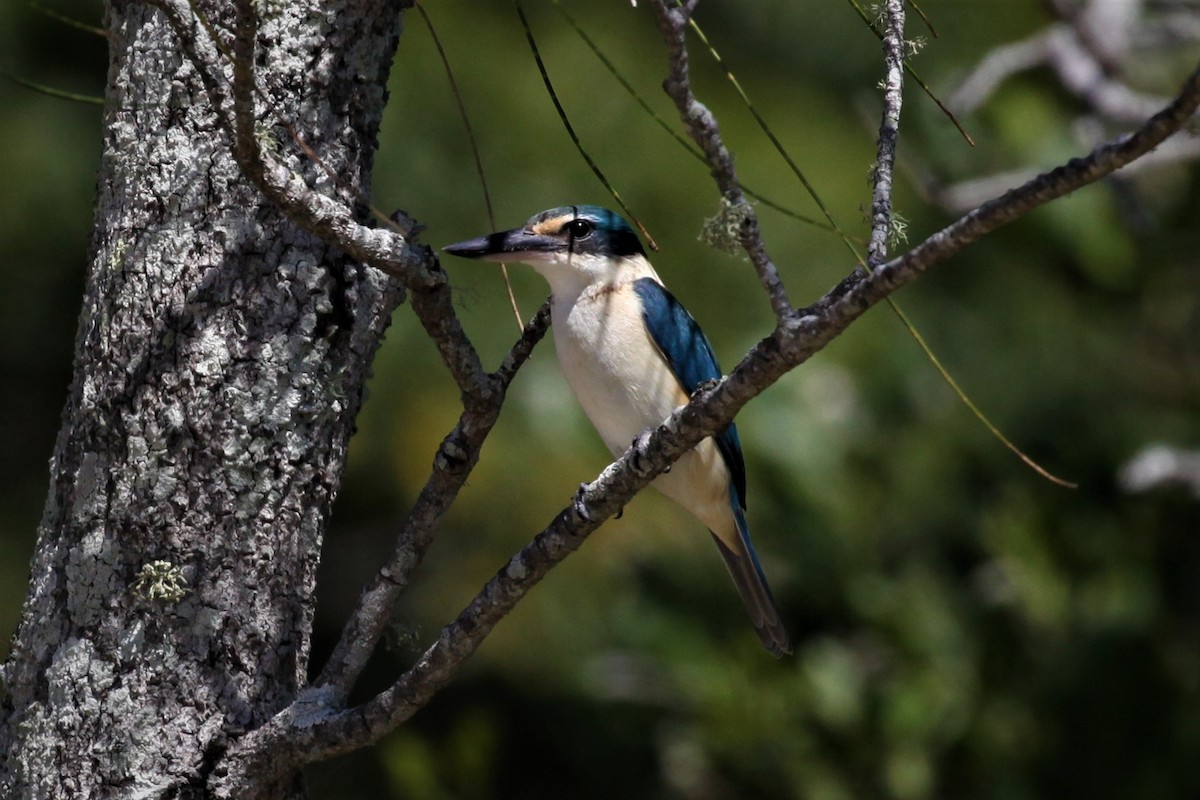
(313, 728)
(702, 127)
(1078, 172)
(322, 215)
(965, 195)
(1086, 77)
(455, 459)
(996, 67)
(1105, 29)
(889, 132)
(1085, 52)
(414, 265)
(1088, 52)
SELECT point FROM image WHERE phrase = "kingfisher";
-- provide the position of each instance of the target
(632, 354)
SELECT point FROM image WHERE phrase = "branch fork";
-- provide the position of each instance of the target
(318, 723)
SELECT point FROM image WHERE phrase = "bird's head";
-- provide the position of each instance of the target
(567, 245)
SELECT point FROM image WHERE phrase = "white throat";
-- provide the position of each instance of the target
(570, 275)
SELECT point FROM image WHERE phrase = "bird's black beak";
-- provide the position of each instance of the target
(519, 244)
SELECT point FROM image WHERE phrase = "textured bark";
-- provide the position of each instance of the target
(219, 366)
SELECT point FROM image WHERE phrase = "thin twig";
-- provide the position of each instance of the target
(889, 134)
(562, 115)
(50, 91)
(69, 21)
(466, 120)
(924, 18)
(773, 139)
(670, 131)
(311, 729)
(702, 126)
(912, 73)
(456, 457)
(414, 265)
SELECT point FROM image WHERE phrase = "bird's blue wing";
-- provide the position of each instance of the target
(691, 358)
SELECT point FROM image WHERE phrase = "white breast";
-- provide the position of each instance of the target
(612, 366)
(625, 385)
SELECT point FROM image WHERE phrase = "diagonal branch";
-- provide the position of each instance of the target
(315, 726)
(322, 215)
(1064, 48)
(452, 465)
(483, 394)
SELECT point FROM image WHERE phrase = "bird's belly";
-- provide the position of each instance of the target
(624, 386)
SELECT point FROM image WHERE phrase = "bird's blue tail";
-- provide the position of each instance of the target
(751, 583)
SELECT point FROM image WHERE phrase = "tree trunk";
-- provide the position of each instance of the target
(219, 367)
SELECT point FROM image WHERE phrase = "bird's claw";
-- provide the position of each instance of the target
(638, 446)
(578, 504)
(704, 386)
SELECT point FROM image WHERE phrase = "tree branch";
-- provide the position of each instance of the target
(960, 197)
(313, 727)
(413, 264)
(455, 459)
(322, 215)
(701, 125)
(889, 133)
(1083, 51)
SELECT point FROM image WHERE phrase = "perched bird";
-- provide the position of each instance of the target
(632, 355)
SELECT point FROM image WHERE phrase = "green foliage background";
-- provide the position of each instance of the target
(963, 628)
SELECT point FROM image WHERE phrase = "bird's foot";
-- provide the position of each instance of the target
(704, 386)
(578, 504)
(639, 445)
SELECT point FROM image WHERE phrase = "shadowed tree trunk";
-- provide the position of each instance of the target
(219, 366)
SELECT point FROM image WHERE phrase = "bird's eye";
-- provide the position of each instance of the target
(580, 228)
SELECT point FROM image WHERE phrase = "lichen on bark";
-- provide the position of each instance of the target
(219, 365)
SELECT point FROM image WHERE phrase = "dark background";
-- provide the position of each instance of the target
(964, 628)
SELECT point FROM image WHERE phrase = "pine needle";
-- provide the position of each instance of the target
(462, 111)
(562, 114)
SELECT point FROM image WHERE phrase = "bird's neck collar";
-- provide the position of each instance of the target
(599, 278)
